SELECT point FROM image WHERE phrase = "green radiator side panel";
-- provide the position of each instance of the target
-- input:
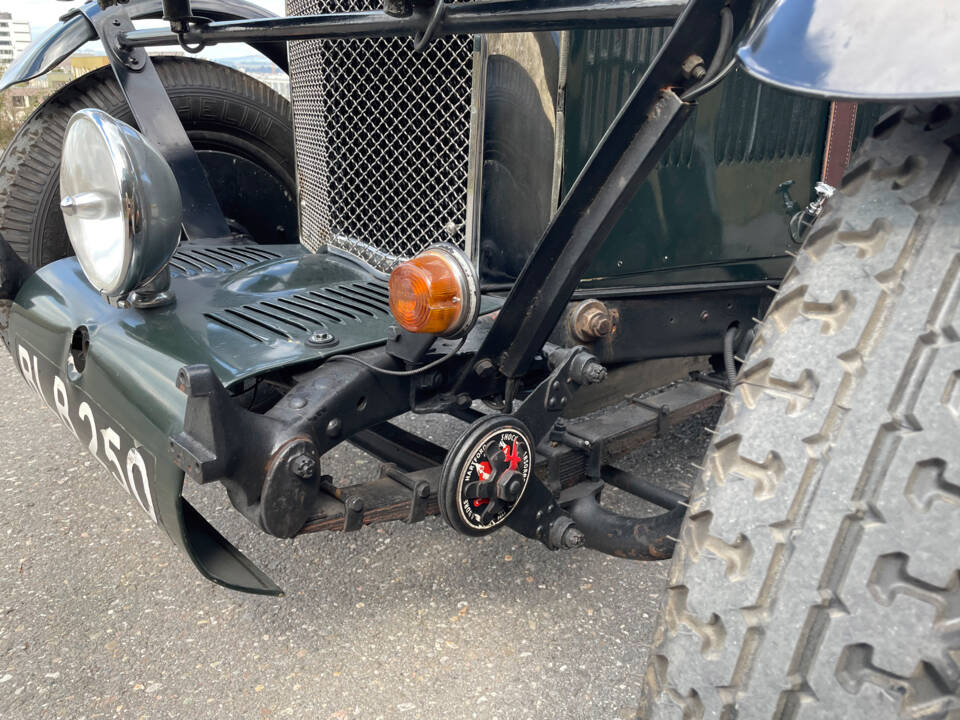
(711, 210)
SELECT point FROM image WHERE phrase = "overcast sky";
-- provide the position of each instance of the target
(41, 14)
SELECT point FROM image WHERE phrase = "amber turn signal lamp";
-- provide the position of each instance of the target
(435, 292)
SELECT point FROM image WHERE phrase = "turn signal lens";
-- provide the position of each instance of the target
(436, 292)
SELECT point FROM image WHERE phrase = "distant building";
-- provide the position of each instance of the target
(20, 100)
(14, 37)
(82, 64)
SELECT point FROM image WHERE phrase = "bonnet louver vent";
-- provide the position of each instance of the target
(296, 317)
(187, 262)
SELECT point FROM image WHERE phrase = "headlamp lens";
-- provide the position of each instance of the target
(120, 202)
(93, 215)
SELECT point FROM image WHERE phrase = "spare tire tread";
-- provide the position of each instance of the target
(30, 220)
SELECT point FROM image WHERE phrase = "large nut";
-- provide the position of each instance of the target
(591, 320)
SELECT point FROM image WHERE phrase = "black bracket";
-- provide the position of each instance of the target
(538, 515)
(407, 346)
(353, 505)
(594, 451)
(352, 514)
(419, 492)
(663, 415)
(157, 119)
(573, 367)
(203, 449)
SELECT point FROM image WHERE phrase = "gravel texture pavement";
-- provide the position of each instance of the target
(101, 617)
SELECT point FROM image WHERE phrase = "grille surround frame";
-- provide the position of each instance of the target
(389, 153)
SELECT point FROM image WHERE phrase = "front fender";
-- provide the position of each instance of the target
(62, 40)
(879, 50)
(125, 395)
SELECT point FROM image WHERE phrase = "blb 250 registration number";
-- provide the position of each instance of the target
(131, 464)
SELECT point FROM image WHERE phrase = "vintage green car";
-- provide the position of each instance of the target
(543, 206)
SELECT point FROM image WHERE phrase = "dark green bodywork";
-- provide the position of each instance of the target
(711, 211)
(134, 356)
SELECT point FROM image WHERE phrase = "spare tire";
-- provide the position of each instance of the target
(241, 129)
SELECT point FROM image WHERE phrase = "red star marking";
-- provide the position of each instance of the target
(511, 456)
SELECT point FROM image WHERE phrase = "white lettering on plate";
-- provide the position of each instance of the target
(132, 474)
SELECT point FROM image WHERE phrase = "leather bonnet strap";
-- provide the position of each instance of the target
(836, 153)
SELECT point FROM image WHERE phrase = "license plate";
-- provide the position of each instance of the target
(128, 461)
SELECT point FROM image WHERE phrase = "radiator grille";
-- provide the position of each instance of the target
(382, 139)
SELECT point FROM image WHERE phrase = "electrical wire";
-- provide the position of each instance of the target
(729, 362)
(401, 373)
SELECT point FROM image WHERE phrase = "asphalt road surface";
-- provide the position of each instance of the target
(101, 617)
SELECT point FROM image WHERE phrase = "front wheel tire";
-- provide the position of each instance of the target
(818, 573)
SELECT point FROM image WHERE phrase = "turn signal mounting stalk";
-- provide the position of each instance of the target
(436, 292)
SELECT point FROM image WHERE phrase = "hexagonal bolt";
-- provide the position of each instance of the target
(321, 338)
(693, 68)
(509, 485)
(484, 368)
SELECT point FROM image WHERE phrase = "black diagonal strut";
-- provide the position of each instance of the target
(157, 119)
(624, 158)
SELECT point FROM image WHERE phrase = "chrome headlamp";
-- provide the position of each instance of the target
(120, 203)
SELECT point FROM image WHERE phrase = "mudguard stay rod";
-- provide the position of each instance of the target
(486, 16)
(157, 119)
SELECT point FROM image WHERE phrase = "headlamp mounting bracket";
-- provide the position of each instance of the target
(153, 293)
(157, 119)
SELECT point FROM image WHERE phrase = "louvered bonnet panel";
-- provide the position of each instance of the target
(383, 138)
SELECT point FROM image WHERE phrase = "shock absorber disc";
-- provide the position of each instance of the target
(486, 474)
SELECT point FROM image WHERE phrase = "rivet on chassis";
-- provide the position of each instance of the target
(333, 427)
(591, 320)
